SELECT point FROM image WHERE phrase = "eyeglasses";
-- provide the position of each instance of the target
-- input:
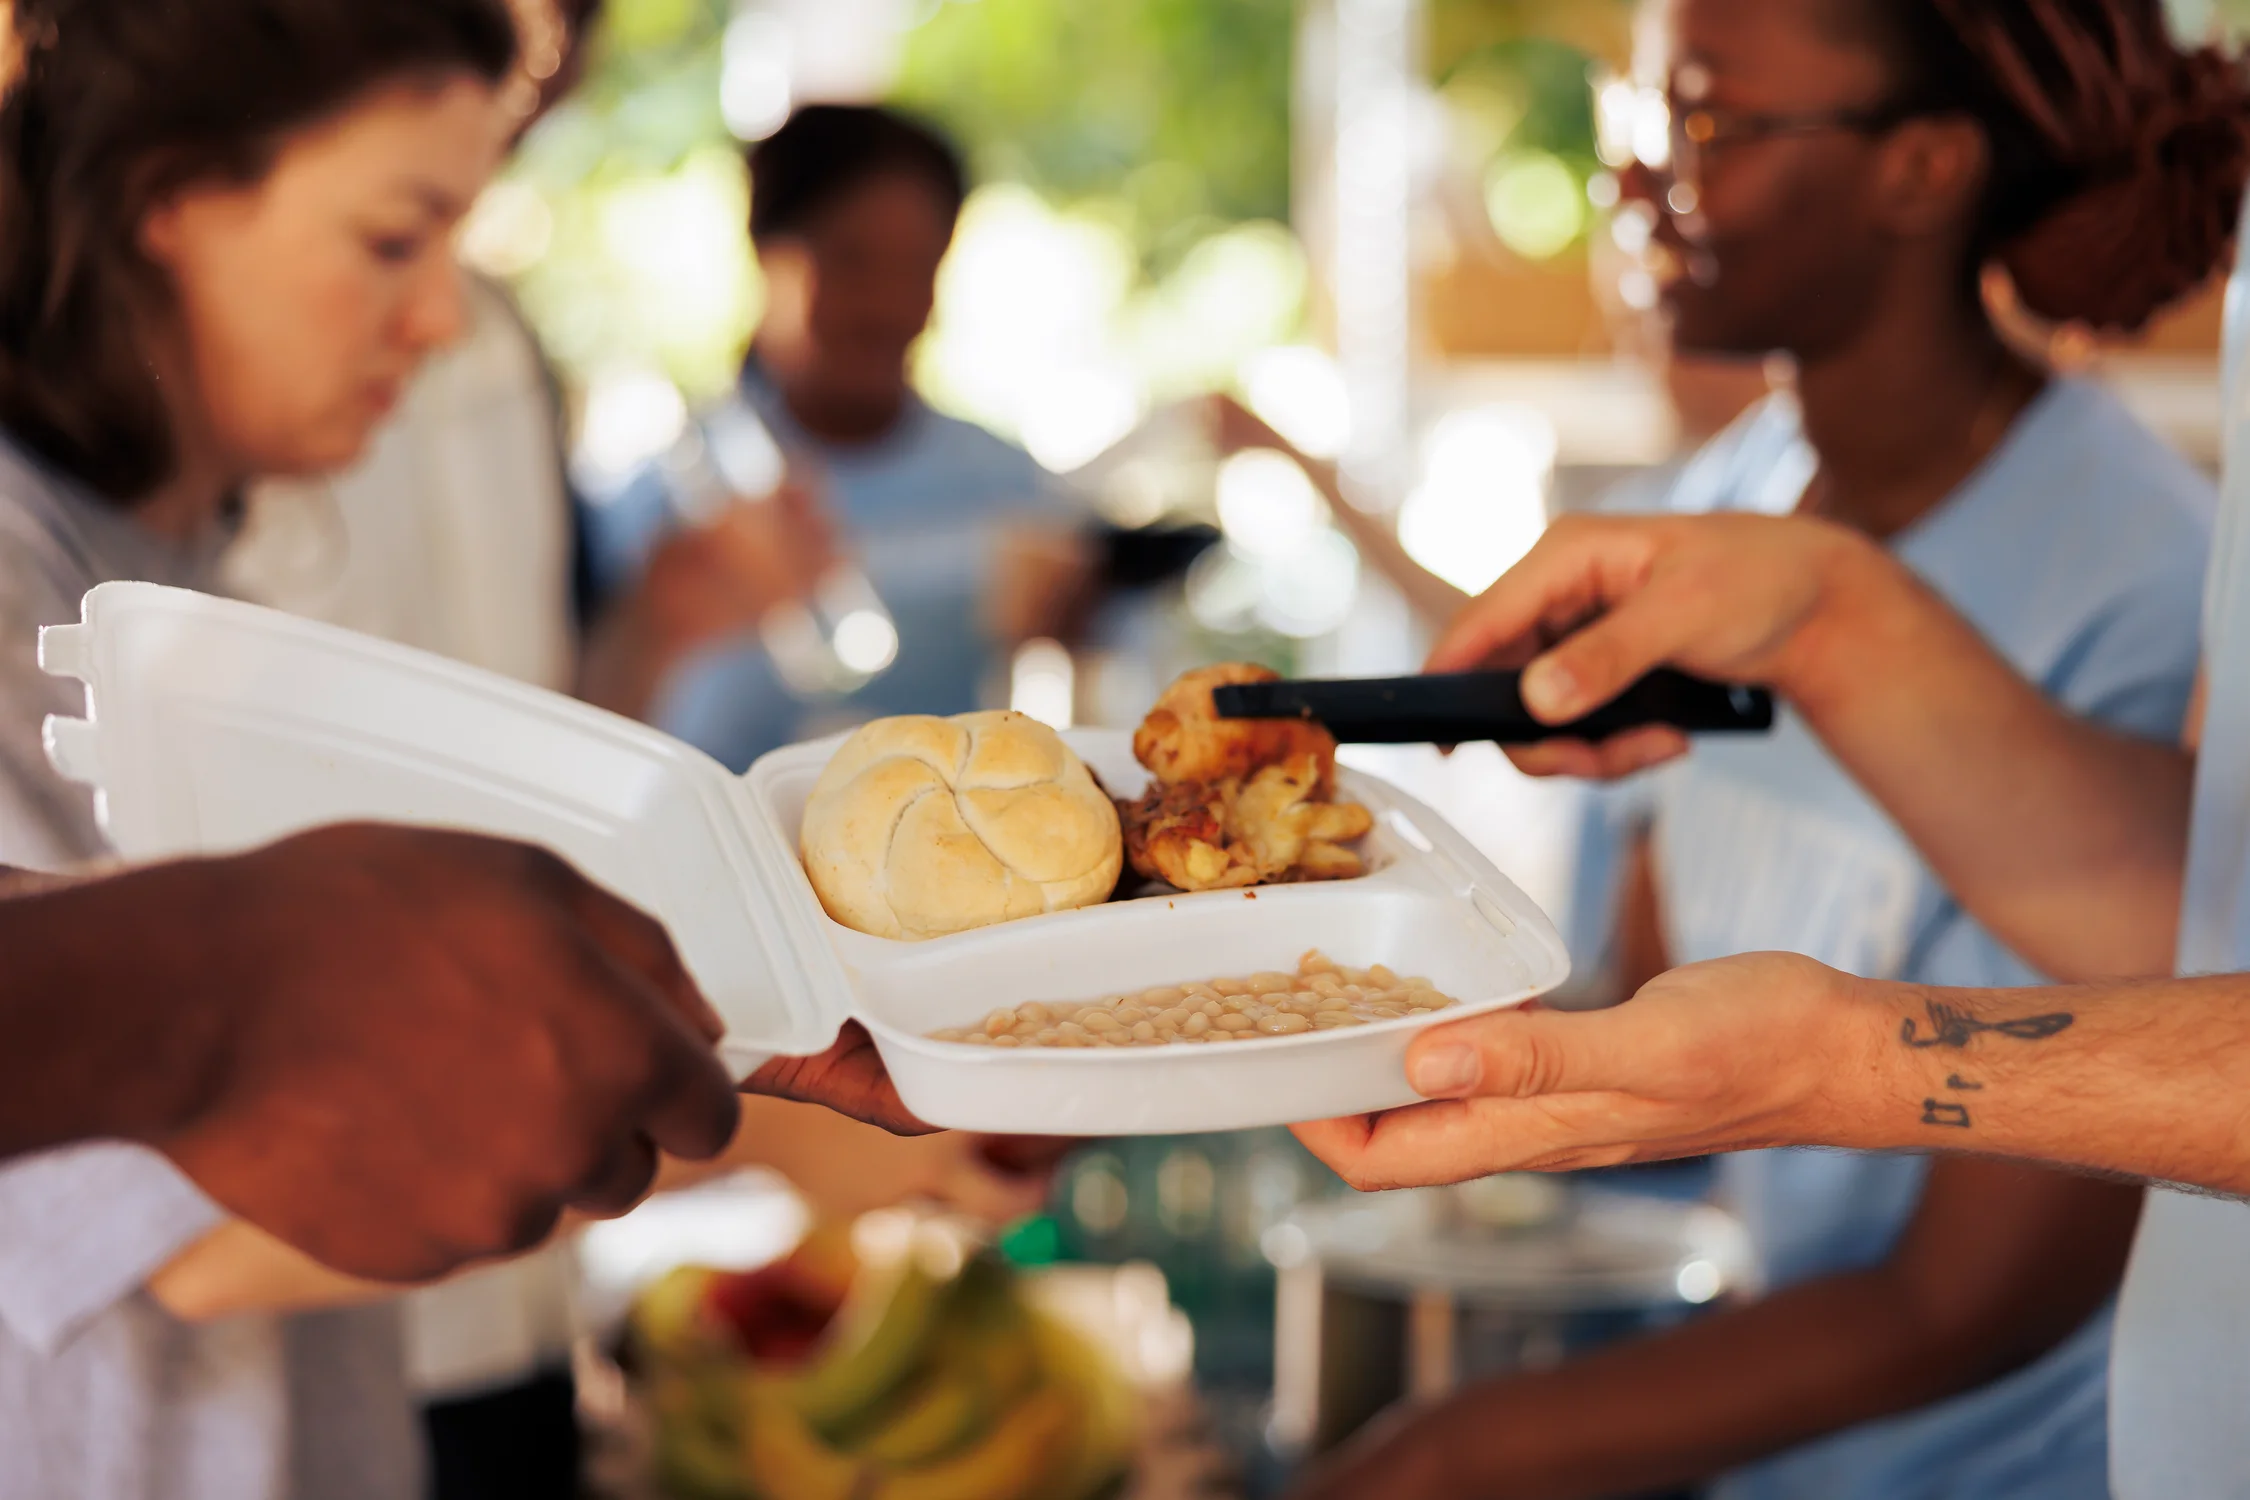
(1643, 123)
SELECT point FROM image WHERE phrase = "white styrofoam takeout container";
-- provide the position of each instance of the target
(215, 726)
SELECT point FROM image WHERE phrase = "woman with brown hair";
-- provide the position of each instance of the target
(1843, 176)
(227, 248)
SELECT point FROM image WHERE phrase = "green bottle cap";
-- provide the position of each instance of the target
(1033, 1241)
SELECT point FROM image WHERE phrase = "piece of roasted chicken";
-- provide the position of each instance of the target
(1183, 739)
(1178, 834)
(1225, 835)
(1279, 816)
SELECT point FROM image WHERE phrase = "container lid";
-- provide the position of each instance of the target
(215, 726)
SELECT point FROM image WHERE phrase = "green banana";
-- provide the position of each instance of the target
(882, 1337)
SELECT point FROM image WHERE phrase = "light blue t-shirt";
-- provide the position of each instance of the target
(2180, 1409)
(2076, 549)
(923, 509)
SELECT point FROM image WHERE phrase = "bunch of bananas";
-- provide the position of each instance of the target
(925, 1386)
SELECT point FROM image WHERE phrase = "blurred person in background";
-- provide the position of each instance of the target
(1843, 174)
(971, 545)
(455, 535)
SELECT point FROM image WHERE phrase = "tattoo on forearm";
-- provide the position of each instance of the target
(1949, 1026)
(1957, 1028)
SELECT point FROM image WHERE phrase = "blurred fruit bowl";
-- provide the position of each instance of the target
(902, 1361)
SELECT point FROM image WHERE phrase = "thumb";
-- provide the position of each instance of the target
(1520, 1054)
(1598, 663)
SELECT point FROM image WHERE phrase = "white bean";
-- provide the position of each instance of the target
(1321, 996)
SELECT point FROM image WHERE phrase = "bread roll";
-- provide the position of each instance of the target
(922, 827)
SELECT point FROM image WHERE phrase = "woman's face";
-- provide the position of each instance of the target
(848, 298)
(1774, 243)
(307, 299)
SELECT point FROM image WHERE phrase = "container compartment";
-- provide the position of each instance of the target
(1431, 907)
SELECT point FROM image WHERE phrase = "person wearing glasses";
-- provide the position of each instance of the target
(1833, 180)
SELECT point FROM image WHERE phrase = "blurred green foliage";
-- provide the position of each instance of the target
(1514, 77)
(1172, 114)
(1167, 120)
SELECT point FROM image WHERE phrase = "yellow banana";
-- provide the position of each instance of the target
(941, 1413)
(1108, 1432)
(668, 1317)
(880, 1340)
(698, 1440)
(785, 1459)
(1014, 1463)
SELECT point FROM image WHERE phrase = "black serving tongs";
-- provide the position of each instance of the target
(1469, 707)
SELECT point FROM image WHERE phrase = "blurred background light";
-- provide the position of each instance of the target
(1043, 683)
(510, 230)
(1481, 503)
(755, 89)
(1537, 204)
(1267, 507)
(631, 415)
(1298, 391)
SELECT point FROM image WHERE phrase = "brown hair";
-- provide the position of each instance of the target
(2118, 158)
(117, 104)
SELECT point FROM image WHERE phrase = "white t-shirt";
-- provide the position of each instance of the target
(2180, 1368)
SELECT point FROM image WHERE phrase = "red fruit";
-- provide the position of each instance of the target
(776, 1315)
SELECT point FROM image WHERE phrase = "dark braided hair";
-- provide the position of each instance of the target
(116, 104)
(2118, 159)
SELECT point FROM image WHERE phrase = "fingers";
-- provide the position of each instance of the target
(1598, 662)
(685, 1103)
(1561, 580)
(638, 944)
(623, 1180)
(1336, 1142)
(849, 1078)
(1614, 759)
(1454, 1141)
(691, 1109)
(1529, 1053)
